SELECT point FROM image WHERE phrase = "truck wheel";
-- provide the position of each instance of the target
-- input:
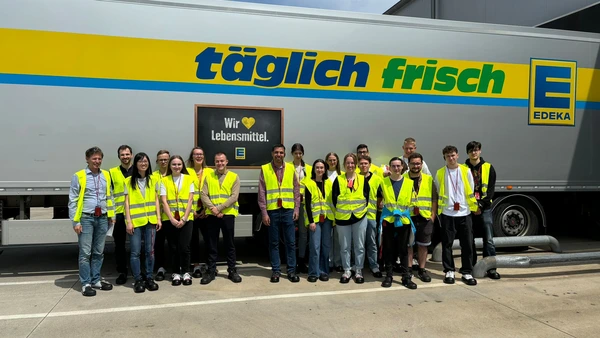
(516, 217)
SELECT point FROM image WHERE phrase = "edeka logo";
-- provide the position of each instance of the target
(266, 70)
(552, 92)
(443, 79)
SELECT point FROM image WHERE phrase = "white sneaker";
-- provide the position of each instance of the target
(347, 274)
(187, 279)
(449, 277)
(176, 279)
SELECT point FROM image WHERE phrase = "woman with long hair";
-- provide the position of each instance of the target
(333, 170)
(349, 196)
(319, 220)
(162, 162)
(177, 197)
(142, 213)
(303, 171)
(196, 167)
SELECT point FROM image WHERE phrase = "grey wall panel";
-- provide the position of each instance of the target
(417, 9)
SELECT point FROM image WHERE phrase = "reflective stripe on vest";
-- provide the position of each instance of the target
(441, 178)
(198, 183)
(81, 177)
(142, 209)
(220, 193)
(178, 204)
(118, 189)
(374, 184)
(402, 203)
(423, 200)
(320, 204)
(350, 201)
(274, 191)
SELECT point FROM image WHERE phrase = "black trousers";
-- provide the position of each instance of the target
(214, 226)
(395, 243)
(179, 246)
(120, 236)
(159, 245)
(198, 254)
(461, 227)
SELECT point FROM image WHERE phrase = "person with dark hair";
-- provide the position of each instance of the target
(319, 220)
(363, 150)
(484, 178)
(91, 209)
(333, 170)
(279, 203)
(142, 213)
(177, 198)
(349, 196)
(396, 226)
(162, 160)
(303, 171)
(220, 193)
(118, 175)
(456, 202)
(423, 212)
(374, 181)
(198, 170)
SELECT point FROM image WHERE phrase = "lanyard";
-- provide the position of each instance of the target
(454, 186)
(176, 189)
(97, 186)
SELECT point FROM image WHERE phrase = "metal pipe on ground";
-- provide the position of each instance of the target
(480, 269)
(504, 242)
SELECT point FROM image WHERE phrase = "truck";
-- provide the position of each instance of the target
(240, 77)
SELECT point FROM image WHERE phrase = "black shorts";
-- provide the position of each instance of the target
(424, 229)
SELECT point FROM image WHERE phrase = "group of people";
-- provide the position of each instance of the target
(176, 203)
(366, 210)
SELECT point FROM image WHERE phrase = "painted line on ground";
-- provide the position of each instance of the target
(210, 302)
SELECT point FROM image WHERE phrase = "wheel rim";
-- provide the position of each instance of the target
(515, 221)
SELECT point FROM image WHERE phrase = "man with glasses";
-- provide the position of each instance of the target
(363, 150)
(484, 177)
(423, 213)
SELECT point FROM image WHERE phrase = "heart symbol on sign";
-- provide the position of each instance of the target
(248, 122)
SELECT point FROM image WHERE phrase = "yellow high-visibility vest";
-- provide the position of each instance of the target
(142, 209)
(219, 193)
(441, 178)
(178, 199)
(402, 203)
(118, 181)
(275, 191)
(350, 201)
(423, 199)
(81, 176)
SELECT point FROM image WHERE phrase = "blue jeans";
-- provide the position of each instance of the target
(282, 218)
(486, 223)
(91, 248)
(320, 244)
(353, 233)
(148, 233)
(371, 243)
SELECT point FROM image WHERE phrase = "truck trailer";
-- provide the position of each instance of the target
(239, 77)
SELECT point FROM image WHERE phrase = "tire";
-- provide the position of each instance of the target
(516, 217)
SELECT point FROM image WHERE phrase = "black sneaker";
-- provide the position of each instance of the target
(175, 279)
(469, 280)
(197, 272)
(449, 279)
(150, 284)
(275, 277)
(160, 275)
(376, 273)
(122, 279)
(102, 285)
(387, 282)
(408, 283)
(323, 277)
(139, 286)
(234, 276)
(493, 274)
(424, 276)
(207, 278)
(87, 291)
(312, 279)
(346, 277)
(293, 277)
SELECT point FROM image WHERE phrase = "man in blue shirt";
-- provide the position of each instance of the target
(91, 208)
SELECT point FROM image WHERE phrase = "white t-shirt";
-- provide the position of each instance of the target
(300, 172)
(455, 190)
(332, 175)
(424, 167)
(177, 180)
